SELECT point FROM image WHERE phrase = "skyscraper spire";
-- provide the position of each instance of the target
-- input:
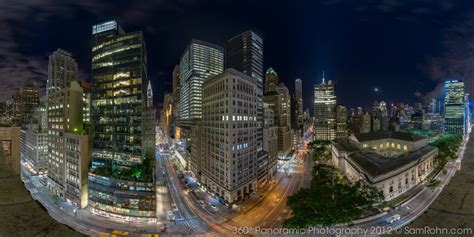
(149, 95)
(323, 78)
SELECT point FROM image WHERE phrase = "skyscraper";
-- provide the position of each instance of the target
(283, 118)
(65, 115)
(199, 62)
(270, 139)
(279, 101)
(62, 69)
(271, 80)
(244, 53)
(16, 108)
(174, 123)
(298, 110)
(149, 124)
(229, 143)
(29, 100)
(454, 107)
(324, 111)
(365, 123)
(166, 114)
(121, 178)
(467, 117)
(341, 121)
(175, 82)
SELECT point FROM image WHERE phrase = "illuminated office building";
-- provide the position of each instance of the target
(279, 101)
(121, 177)
(324, 111)
(16, 109)
(199, 62)
(271, 80)
(454, 107)
(283, 118)
(270, 139)
(34, 139)
(341, 121)
(229, 143)
(29, 100)
(65, 115)
(34, 148)
(467, 116)
(244, 53)
(365, 123)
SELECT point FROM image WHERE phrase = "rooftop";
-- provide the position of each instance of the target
(373, 164)
(376, 165)
(405, 136)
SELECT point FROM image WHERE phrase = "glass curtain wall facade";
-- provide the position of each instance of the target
(324, 111)
(121, 176)
(454, 114)
(200, 61)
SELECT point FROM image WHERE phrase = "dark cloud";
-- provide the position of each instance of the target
(457, 59)
(169, 25)
(16, 68)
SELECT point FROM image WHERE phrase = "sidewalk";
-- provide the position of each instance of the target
(85, 222)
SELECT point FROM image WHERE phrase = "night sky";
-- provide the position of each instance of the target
(405, 49)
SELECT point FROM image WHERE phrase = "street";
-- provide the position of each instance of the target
(418, 204)
(187, 208)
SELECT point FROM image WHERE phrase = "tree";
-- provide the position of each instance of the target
(421, 132)
(318, 143)
(447, 145)
(321, 153)
(330, 199)
(433, 184)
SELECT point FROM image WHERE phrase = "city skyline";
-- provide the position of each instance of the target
(196, 126)
(347, 63)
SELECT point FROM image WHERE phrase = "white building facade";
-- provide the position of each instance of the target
(229, 147)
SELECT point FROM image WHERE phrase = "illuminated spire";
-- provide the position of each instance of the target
(323, 78)
(149, 95)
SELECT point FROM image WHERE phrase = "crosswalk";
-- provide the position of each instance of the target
(191, 223)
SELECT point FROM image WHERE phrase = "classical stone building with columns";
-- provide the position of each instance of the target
(394, 162)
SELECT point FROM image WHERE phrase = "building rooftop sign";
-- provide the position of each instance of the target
(105, 26)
